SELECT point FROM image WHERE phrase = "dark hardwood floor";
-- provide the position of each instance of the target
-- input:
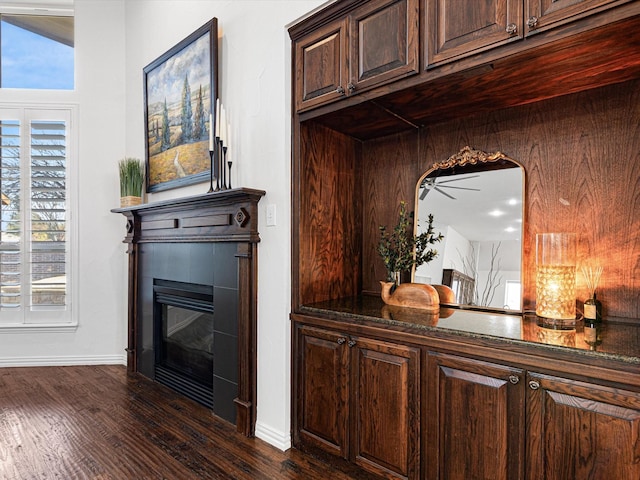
(97, 422)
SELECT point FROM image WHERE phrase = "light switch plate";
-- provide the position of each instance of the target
(271, 215)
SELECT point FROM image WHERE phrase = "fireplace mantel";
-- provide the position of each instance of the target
(224, 216)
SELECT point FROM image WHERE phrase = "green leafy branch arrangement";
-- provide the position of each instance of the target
(400, 250)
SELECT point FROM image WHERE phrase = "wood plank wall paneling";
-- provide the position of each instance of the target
(330, 227)
(390, 172)
(581, 155)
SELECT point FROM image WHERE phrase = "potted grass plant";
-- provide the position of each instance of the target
(131, 181)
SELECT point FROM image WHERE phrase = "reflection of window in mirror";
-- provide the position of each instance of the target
(512, 295)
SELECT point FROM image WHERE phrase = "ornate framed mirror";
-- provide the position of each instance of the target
(477, 202)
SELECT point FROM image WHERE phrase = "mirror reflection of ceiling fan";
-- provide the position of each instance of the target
(429, 184)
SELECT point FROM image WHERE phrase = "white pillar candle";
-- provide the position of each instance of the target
(210, 133)
(218, 117)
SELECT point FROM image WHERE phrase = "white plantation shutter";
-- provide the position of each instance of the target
(35, 254)
(10, 221)
(48, 214)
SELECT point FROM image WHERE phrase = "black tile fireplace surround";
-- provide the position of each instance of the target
(193, 264)
(203, 339)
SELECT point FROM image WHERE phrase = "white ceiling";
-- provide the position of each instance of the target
(470, 214)
(37, 7)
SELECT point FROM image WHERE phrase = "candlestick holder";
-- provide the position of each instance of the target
(211, 152)
(224, 166)
(218, 143)
(229, 163)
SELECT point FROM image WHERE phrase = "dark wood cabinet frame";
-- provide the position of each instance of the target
(357, 152)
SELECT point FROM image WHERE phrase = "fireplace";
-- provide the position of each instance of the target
(183, 338)
(192, 298)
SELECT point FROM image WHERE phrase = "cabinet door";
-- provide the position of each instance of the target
(321, 66)
(321, 390)
(384, 38)
(581, 430)
(464, 27)
(386, 406)
(544, 14)
(474, 419)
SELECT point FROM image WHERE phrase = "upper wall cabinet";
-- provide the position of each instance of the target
(544, 14)
(321, 66)
(459, 29)
(452, 34)
(375, 44)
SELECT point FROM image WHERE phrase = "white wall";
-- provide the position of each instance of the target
(101, 307)
(510, 254)
(254, 62)
(115, 39)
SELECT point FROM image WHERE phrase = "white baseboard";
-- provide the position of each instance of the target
(63, 361)
(278, 439)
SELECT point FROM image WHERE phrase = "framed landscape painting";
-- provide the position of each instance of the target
(180, 89)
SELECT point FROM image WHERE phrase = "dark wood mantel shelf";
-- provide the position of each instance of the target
(225, 216)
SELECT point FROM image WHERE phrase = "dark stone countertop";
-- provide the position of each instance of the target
(618, 338)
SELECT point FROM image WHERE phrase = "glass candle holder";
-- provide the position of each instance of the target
(556, 275)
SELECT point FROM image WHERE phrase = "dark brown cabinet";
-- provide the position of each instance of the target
(384, 42)
(375, 44)
(581, 430)
(404, 405)
(474, 419)
(452, 34)
(358, 398)
(321, 396)
(321, 67)
(484, 24)
(542, 15)
(477, 412)
(425, 399)
(385, 380)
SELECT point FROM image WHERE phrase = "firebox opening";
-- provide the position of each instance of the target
(184, 338)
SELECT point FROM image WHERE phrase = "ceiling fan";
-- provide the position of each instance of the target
(429, 184)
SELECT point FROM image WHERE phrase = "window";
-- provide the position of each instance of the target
(37, 51)
(35, 228)
(512, 299)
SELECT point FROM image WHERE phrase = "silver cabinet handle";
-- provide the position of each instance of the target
(514, 379)
(532, 22)
(534, 385)
(511, 28)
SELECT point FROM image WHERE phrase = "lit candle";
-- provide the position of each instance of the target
(556, 275)
(210, 133)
